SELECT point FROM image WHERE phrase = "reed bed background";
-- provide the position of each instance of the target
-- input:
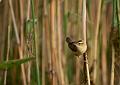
(33, 50)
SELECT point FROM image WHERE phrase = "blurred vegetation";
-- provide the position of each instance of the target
(33, 46)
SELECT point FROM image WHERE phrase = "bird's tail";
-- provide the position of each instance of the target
(68, 40)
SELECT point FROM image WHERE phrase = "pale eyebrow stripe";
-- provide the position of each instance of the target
(80, 42)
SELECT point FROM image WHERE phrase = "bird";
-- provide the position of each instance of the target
(77, 47)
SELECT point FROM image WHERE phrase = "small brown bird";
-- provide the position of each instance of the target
(77, 47)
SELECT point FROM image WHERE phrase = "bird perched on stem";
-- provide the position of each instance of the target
(77, 47)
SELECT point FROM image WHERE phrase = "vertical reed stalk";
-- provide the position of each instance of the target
(21, 47)
(18, 42)
(113, 66)
(29, 63)
(84, 21)
(96, 41)
(104, 48)
(47, 40)
(77, 71)
(36, 42)
(43, 54)
(44, 41)
(8, 48)
(14, 22)
(53, 42)
(84, 37)
(28, 10)
(79, 35)
(59, 26)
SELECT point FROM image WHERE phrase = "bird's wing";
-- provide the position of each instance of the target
(72, 47)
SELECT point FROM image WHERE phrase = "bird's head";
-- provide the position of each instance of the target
(78, 47)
